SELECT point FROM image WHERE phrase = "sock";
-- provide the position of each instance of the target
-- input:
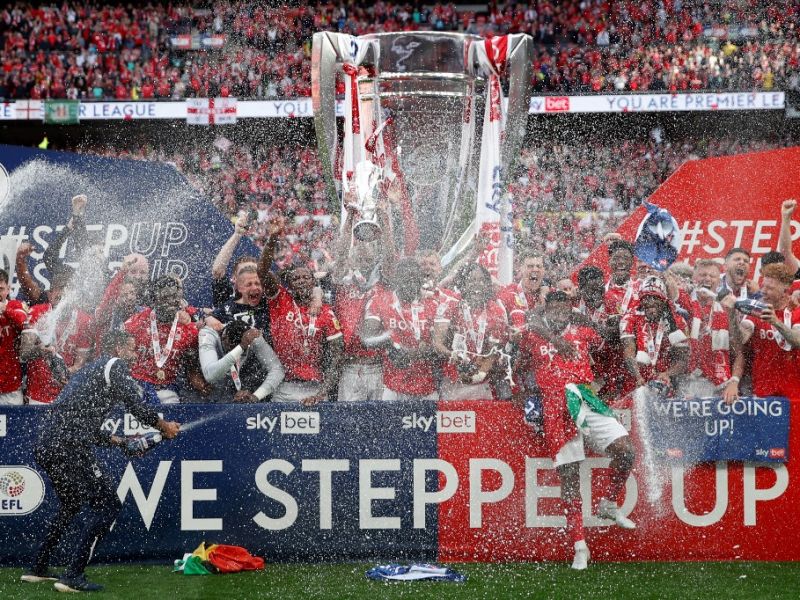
(574, 513)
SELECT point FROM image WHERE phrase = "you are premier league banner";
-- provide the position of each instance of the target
(447, 481)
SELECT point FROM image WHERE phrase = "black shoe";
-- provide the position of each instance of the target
(38, 576)
(77, 584)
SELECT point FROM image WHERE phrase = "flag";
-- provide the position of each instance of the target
(658, 238)
(414, 572)
(28, 109)
(211, 111)
(62, 112)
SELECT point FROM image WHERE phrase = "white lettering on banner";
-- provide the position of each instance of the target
(752, 494)
(3, 426)
(261, 422)
(325, 467)
(191, 494)
(270, 491)
(147, 504)
(300, 422)
(367, 494)
(758, 237)
(716, 411)
(534, 491)
(422, 497)
(477, 496)
(720, 502)
(447, 421)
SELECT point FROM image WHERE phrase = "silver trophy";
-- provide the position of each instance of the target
(413, 103)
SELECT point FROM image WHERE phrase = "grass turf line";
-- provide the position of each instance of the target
(609, 581)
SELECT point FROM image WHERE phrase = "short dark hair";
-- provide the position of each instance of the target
(586, 274)
(114, 339)
(234, 330)
(162, 283)
(3, 276)
(737, 250)
(615, 245)
(556, 296)
(772, 258)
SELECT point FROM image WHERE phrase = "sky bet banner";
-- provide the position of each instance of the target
(134, 206)
(448, 481)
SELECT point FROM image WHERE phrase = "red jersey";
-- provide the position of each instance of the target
(298, 338)
(408, 323)
(553, 373)
(349, 308)
(72, 337)
(12, 321)
(620, 299)
(174, 340)
(653, 342)
(775, 363)
(475, 329)
(516, 302)
(709, 341)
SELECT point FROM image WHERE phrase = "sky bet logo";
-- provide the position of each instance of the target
(447, 421)
(291, 422)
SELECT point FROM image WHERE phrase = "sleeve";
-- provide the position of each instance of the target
(275, 372)
(331, 327)
(213, 367)
(677, 338)
(125, 390)
(15, 311)
(796, 318)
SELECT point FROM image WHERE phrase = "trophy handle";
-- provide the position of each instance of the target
(323, 101)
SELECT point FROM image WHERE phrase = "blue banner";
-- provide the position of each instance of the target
(285, 482)
(134, 206)
(708, 429)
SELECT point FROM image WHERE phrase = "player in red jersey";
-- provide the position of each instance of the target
(709, 335)
(400, 320)
(121, 297)
(527, 292)
(653, 337)
(12, 322)
(560, 353)
(471, 334)
(166, 343)
(359, 272)
(774, 335)
(301, 340)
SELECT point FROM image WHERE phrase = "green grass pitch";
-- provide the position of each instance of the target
(609, 581)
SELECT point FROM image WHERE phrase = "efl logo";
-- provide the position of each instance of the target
(556, 104)
(21, 490)
(3, 429)
(300, 422)
(777, 452)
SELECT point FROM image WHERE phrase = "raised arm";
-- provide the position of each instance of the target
(220, 265)
(268, 279)
(785, 237)
(28, 286)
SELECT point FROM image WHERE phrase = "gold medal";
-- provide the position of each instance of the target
(160, 375)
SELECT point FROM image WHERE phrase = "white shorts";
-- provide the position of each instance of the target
(295, 391)
(455, 390)
(391, 395)
(361, 382)
(603, 431)
(11, 398)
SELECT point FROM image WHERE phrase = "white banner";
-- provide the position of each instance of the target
(30, 110)
(622, 103)
(211, 111)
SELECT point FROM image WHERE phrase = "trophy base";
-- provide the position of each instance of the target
(366, 231)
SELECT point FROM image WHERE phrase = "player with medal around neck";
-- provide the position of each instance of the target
(167, 302)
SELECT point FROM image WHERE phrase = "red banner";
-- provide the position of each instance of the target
(506, 505)
(723, 203)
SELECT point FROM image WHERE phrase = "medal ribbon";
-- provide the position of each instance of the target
(654, 348)
(161, 358)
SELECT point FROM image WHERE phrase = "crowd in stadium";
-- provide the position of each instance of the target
(74, 50)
